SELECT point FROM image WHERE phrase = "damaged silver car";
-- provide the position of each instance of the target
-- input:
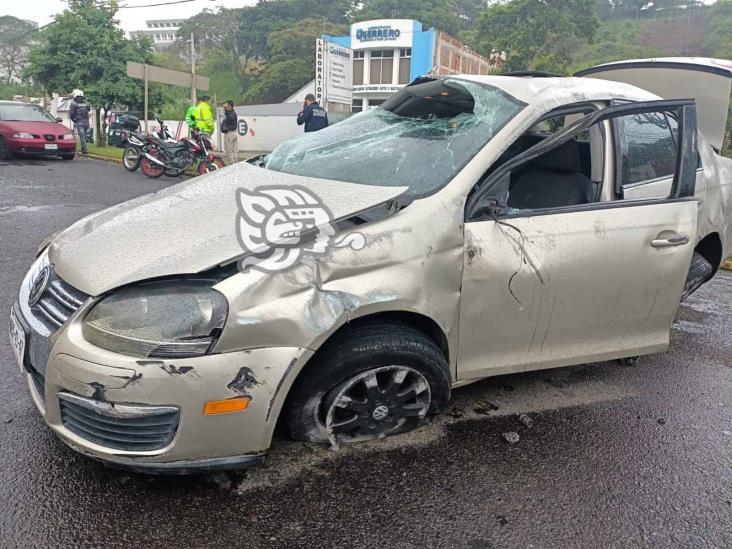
(471, 226)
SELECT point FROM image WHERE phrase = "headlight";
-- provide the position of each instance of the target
(24, 135)
(68, 137)
(159, 319)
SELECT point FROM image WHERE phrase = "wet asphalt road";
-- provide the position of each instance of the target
(618, 455)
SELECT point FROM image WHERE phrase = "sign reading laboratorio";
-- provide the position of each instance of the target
(383, 32)
(319, 70)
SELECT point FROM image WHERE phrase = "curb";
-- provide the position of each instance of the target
(98, 157)
(727, 265)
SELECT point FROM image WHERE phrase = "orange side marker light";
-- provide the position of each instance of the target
(228, 406)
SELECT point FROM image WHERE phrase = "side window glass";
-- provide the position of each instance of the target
(650, 147)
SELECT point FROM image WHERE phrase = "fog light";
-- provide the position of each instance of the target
(213, 407)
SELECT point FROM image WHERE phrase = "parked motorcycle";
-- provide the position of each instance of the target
(173, 159)
(136, 142)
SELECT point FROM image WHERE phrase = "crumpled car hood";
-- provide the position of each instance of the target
(185, 228)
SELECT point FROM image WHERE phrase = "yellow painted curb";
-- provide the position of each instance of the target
(727, 264)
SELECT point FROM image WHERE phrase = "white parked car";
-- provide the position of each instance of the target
(472, 226)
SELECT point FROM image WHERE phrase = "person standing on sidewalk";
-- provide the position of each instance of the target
(312, 115)
(79, 115)
(205, 116)
(229, 128)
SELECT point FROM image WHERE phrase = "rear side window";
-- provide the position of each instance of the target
(649, 147)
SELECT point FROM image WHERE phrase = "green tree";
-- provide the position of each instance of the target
(292, 60)
(217, 33)
(719, 30)
(441, 14)
(16, 38)
(537, 34)
(84, 48)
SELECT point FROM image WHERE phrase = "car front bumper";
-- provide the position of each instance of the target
(148, 414)
(38, 146)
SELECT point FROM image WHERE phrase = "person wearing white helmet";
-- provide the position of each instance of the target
(79, 114)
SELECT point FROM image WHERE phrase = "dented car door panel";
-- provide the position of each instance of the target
(571, 287)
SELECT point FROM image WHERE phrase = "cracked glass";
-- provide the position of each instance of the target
(421, 137)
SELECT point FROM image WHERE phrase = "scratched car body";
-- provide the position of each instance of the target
(472, 226)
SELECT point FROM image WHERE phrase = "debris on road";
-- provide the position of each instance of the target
(526, 420)
(485, 407)
(661, 421)
(512, 437)
(457, 413)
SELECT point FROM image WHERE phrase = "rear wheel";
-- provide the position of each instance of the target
(700, 271)
(149, 168)
(131, 159)
(375, 381)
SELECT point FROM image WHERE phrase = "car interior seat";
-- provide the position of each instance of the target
(552, 180)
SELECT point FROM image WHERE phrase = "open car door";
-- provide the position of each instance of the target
(547, 286)
(708, 81)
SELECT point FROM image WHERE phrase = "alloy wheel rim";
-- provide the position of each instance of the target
(377, 403)
(131, 157)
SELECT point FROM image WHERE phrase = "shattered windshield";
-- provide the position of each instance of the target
(421, 137)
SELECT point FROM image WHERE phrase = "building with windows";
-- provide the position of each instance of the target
(390, 53)
(163, 32)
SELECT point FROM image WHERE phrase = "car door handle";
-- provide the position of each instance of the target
(680, 240)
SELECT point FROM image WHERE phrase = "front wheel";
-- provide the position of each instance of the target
(131, 159)
(149, 168)
(375, 381)
(208, 165)
(5, 152)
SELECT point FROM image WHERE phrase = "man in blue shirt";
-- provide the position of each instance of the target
(312, 115)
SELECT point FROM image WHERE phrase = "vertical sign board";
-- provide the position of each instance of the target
(338, 74)
(319, 70)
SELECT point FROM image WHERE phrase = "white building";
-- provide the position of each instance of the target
(163, 32)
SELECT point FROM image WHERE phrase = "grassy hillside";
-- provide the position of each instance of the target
(633, 38)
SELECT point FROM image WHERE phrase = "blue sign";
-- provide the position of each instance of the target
(377, 33)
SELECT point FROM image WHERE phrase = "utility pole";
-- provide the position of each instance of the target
(193, 69)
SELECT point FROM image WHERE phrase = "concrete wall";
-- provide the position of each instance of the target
(262, 133)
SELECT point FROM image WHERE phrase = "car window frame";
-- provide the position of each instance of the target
(682, 188)
(620, 145)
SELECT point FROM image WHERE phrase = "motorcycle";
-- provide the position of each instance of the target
(172, 159)
(136, 142)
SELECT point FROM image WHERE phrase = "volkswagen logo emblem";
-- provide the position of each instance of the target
(39, 285)
(380, 413)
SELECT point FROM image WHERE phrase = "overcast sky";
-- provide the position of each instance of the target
(42, 11)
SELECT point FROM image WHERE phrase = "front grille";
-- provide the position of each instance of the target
(58, 302)
(117, 426)
(49, 136)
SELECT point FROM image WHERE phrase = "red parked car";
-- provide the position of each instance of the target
(29, 129)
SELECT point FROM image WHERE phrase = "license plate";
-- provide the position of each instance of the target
(53, 147)
(17, 340)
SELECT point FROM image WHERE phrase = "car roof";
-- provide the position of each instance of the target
(539, 90)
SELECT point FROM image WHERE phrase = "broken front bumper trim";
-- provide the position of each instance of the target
(181, 467)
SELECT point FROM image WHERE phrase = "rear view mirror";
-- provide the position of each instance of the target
(59, 119)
